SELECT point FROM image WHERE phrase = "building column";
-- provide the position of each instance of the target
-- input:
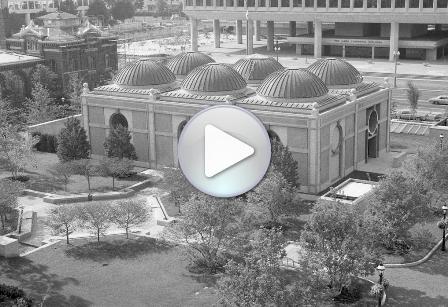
(257, 30)
(373, 53)
(239, 31)
(270, 42)
(292, 28)
(194, 34)
(343, 51)
(250, 37)
(393, 44)
(217, 32)
(27, 18)
(317, 39)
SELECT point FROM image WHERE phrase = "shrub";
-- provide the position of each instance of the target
(421, 238)
(13, 293)
(47, 142)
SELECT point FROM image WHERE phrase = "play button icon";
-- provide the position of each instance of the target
(224, 151)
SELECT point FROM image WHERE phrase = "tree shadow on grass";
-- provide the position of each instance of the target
(38, 283)
(117, 249)
(42, 182)
(397, 296)
(436, 265)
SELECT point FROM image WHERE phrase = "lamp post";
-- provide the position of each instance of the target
(276, 48)
(396, 56)
(441, 141)
(444, 209)
(380, 268)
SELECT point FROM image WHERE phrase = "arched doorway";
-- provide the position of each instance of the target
(336, 144)
(118, 119)
(372, 134)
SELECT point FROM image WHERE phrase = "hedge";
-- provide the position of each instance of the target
(47, 142)
(14, 293)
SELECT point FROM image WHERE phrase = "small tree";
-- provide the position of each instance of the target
(48, 79)
(180, 189)
(115, 168)
(130, 212)
(64, 218)
(283, 161)
(161, 7)
(271, 198)
(72, 142)
(62, 171)
(96, 216)
(118, 144)
(9, 192)
(209, 226)
(413, 96)
(123, 10)
(74, 92)
(84, 167)
(41, 107)
(99, 8)
(16, 150)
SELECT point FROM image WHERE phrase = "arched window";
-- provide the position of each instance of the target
(180, 128)
(106, 61)
(118, 119)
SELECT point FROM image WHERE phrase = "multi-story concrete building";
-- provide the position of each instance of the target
(331, 120)
(69, 46)
(369, 28)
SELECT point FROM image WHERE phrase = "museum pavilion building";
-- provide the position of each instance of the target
(331, 120)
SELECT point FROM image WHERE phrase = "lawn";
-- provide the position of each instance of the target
(116, 272)
(42, 180)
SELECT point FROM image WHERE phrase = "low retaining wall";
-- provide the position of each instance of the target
(53, 127)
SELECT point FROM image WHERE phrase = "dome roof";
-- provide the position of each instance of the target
(292, 84)
(182, 64)
(336, 72)
(144, 72)
(214, 78)
(255, 68)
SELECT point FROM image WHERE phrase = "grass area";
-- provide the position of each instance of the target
(42, 180)
(116, 272)
(408, 142)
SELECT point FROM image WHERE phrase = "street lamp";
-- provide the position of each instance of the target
(441, 141)
(380, 268)
(444, 210)
(396, 56)
(276, 48)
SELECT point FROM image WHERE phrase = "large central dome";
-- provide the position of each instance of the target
(145, 73)
(336, 72)
(292, 84)
(214, 78)
(255, 68)
(182, 64)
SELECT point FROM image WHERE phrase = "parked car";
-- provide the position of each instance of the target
(435, 117)
(405, 114)
(439, 100)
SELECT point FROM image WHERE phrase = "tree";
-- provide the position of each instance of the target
(48, 79)
(161, 7)
(397, 203)
(16, 150)
(130, 212)
(64, 218)
(271, 198)
(413, 95)
(62, 171)
(260, 281)
(139, 4)
(74, 91)
(180, 189)
(41, 106)
(72, 142)
(68, 6)
(336, 239)
(98, 8)
(115, 168)
(123, 10)
(96, 216)
(118, 144)
(84, 167)
(208, 226)
(283, 161)
(9, 192)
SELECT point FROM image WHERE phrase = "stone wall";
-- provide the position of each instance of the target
(52, 127)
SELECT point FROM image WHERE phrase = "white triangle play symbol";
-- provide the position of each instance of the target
(222, 151)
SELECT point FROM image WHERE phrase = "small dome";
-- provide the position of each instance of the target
(182, 64)
(216, 78)
(255, 68)
(336, 72)
(292, 84)
(144, 72)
